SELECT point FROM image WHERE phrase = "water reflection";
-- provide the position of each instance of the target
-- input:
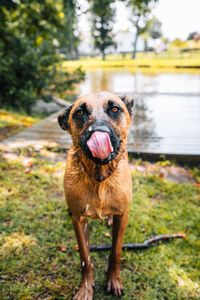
(166, 124)
(143, 126)
(167, 107)
(129, 81)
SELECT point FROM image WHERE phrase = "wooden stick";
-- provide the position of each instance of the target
(146, 244)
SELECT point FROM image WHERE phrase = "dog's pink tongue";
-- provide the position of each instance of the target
(100, 144)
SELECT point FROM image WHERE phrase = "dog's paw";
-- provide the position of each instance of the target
(114, 285)
(85, 292)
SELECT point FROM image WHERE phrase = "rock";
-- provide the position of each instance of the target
(42, 107)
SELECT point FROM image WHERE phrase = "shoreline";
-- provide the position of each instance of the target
(146, 64)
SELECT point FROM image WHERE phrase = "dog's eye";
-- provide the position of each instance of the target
(79, 113)
(115, 109)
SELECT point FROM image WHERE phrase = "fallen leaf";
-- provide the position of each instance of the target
(27, 170)
(60, 248)
(30, 164)
(76, 247)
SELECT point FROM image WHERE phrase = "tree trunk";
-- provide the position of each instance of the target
(76, 53)
(103, 55)
(71, 37)
(135, 42)
(145, 45)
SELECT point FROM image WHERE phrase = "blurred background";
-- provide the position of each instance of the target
(148, 50)
(74, 47)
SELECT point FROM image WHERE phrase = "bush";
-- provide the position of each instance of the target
(29, 53)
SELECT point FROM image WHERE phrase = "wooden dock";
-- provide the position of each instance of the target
(161, 126)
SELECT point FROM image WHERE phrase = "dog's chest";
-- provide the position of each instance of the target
(99, 201)
(89, 198)
(103, 201)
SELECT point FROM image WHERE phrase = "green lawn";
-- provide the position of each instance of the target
(143, 60)
(37, 255)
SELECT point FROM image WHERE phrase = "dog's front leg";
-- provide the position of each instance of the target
(114, 284)
(82, 234)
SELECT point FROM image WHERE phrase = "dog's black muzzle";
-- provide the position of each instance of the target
(114, 138)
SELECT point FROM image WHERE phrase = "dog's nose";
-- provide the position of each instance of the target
(99, 126)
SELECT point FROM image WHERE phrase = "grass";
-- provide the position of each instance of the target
(13, 122)
(36, 232)
(150, 60)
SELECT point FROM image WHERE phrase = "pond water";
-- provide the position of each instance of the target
(167, 107)
(132, 81)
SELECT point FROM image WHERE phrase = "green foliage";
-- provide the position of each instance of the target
(177, 43)
(192, 35)
(68, 37)
(103, 18)
(140, 14)
(153, 28)
(140, 10)
(29, 52)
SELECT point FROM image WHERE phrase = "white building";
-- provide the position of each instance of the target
(86, 46)
(124, 41)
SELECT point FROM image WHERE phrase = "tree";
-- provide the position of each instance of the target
(69, 38)
(151, 29)
(193, 36)
(102, 24)
(145, 36)
(140, 13)
(177, 44)
(30, 63)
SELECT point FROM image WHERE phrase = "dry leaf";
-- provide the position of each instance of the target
(76, 247)
(60, 248)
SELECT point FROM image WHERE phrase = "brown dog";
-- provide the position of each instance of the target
(97, 179)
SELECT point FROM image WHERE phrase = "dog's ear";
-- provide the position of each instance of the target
(129, 103)
(64, 117)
